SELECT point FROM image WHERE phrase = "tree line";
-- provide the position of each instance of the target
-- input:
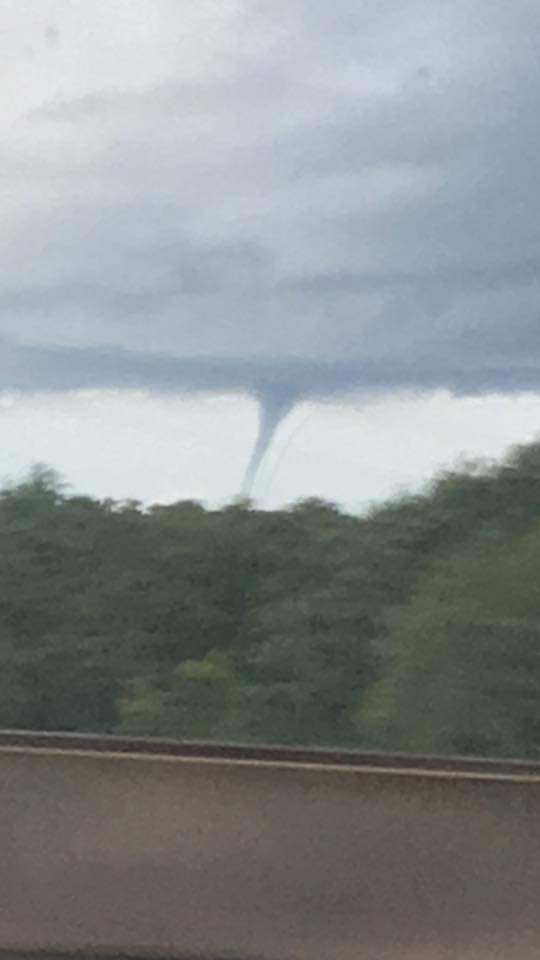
(415, 627)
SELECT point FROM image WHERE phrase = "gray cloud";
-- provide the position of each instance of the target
(346, 201)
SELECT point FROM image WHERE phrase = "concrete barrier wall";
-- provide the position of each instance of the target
(173, 856)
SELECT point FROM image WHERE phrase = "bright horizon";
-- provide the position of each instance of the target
(158, 448)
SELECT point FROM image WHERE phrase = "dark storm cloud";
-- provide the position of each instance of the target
(348, 201)
(284, 383)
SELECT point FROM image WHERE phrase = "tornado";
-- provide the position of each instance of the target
(272, 412)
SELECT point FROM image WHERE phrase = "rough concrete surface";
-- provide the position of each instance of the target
(171, 856)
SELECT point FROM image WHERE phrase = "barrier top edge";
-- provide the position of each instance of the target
(21, 740)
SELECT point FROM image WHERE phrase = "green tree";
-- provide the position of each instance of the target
(462, 673)
(199, 702)
(414, 627)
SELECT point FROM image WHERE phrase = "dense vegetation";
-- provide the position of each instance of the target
(416, 627)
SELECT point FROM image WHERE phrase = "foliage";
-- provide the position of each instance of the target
(416, 627)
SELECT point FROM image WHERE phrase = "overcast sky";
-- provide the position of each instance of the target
(328, 208)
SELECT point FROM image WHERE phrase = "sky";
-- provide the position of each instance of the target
(313, 224)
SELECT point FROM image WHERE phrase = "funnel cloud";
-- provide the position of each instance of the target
(296, 201)
(272, 411)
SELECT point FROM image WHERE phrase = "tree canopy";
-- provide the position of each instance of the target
(415, 627)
